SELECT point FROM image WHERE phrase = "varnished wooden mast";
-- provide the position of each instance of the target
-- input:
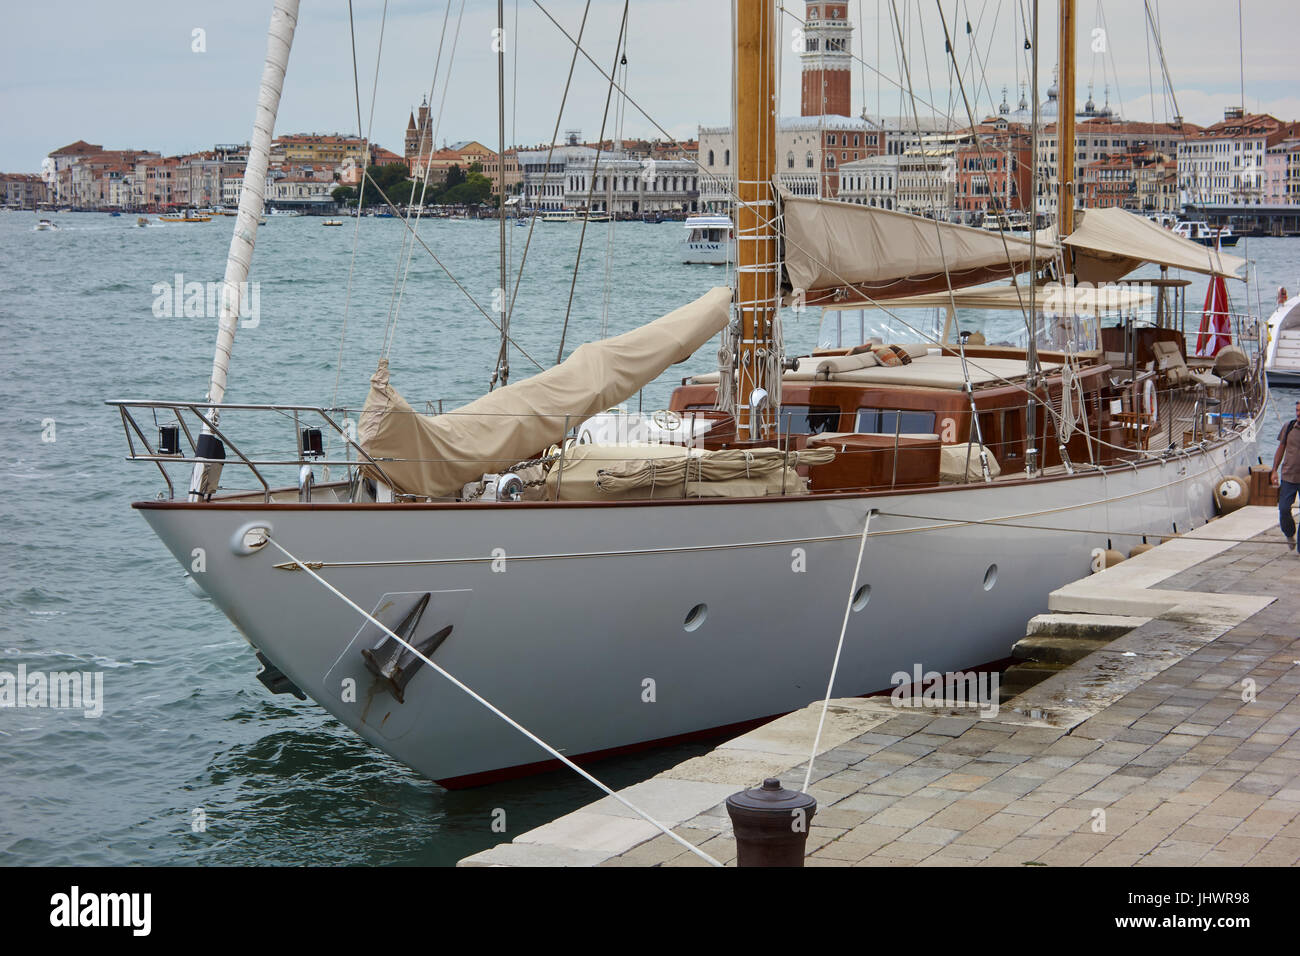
(1065, 123)
(757, 265)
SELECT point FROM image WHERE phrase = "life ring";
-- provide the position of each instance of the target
(1150, 404)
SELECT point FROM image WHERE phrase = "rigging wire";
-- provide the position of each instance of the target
(459, 285)
(994, 376)
(361, 186)
(591, 191)
(396, 305)
(559, 116)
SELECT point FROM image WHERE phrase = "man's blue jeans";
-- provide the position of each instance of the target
(1286, 495)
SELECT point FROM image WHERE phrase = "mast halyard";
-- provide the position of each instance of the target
(503, 361)
(279, 41)
(757, 264)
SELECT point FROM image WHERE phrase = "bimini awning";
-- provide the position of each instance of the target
(842, 253)
(437, 455)
(1110, 243)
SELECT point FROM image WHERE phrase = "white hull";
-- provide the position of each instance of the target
(591, 600)
(1282, 364)
(708, 253)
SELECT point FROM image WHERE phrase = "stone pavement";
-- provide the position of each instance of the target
(1175, 745)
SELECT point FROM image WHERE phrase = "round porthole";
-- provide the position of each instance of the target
(696, 617)
(990, 577)
(861, 596)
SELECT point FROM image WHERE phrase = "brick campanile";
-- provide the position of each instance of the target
(827, 60)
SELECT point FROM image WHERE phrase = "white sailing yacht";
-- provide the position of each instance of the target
(619, 594)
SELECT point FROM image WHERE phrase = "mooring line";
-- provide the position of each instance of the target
(493, 708)
(830, 684)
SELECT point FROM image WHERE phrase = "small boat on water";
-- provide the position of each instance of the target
(45, 225)
(332, 222)
(1198, 230)
(186, 216)
(141, 221)
(1011, 222)
(709, 240)
(1282, 361)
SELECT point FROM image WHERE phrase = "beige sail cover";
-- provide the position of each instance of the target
(1109, 243)
(836, 251)
(437, 455)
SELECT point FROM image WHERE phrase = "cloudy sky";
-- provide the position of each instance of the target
(128, 74)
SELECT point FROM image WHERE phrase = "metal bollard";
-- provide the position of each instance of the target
(771, 824)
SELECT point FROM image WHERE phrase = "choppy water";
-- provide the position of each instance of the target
(85, 586)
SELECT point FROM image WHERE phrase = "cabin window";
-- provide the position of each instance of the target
(890, 421)
(809, 419)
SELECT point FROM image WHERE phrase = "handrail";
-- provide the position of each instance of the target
(1140, 434)
(197, 409)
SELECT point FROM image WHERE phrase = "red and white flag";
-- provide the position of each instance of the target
(1216, 326)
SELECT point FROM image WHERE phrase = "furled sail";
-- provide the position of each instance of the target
(839, 252)
(437, 455)
(1109, 243)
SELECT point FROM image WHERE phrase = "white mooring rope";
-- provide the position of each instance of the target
(492, 707)
(830, 684)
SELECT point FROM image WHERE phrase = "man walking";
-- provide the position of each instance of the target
(1286, 475)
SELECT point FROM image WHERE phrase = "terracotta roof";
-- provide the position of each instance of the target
(80, 146)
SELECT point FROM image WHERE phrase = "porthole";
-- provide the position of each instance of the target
(695, 617)
(861, 596)
(990, 577)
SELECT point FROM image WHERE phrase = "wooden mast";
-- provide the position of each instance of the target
(1065, 124)
(756, 255)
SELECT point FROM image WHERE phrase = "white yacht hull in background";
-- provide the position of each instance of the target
(1282, 364)
(562, 613)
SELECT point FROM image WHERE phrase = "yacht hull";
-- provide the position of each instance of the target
(582, 620)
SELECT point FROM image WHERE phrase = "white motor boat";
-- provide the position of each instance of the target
(1199, 231)
(709, 240)
(45, 225)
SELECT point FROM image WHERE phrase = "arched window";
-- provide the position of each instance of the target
(726, 158)
(710, 157)
(809, 159)
(830, 160)
(789, 160)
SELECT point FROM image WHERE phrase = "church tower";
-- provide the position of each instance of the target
(414, 133)
(827, 59)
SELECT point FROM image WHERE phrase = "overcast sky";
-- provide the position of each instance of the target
(124, 74)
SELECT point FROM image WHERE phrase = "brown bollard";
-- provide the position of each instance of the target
(771, 824)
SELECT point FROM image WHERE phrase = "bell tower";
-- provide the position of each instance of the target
(827, 59)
